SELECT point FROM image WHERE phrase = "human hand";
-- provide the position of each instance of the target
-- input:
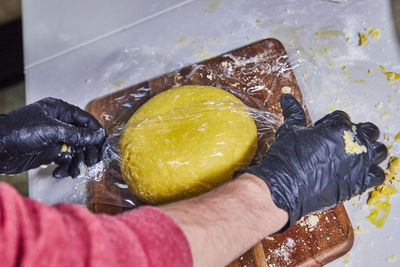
(308, 168)
(33, 135)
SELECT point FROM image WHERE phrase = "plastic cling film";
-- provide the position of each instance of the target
(251, 82)
(186, 141)
(183, 142)
(308, 76)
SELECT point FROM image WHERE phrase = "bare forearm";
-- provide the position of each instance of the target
(223, 223)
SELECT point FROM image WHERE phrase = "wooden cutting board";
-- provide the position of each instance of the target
(256, 74)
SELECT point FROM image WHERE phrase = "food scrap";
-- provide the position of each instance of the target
(397, 137)
(391, 259)
(350, 145)
(286, 89)
(363, 39)
(346, 258)
(312, 220)
(374, 33)
(64, 148)
(287, 11)
(204, 54)
(309, 221)
(357, 230)
(385, 115)
(379, 105)
(391, 76)
(380, 197)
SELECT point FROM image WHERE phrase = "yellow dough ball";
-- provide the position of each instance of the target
(186, 141)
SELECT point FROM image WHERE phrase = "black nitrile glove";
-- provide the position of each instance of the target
(307, 168)
(33, 135)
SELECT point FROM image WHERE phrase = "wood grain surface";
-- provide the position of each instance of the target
(256, 74)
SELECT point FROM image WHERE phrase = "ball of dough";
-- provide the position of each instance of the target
(186, 141)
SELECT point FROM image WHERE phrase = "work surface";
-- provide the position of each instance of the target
(79, 60)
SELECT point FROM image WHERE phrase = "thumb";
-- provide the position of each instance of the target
(293, 113)
(78, 136)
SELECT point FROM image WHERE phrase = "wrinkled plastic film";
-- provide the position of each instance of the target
(110, 166)
(243, 77)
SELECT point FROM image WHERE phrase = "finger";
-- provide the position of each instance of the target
(65, 112)
(91, 155)
(74, 115)
(337, 115)
(375, 177)
(77, 136)
(369, 129)
(292, 111)
(42, 158)
(380, 153)
(63, 161)
(77, 161)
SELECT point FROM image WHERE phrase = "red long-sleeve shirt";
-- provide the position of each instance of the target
(34, 234)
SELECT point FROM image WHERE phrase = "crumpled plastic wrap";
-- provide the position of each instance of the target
(257, 77)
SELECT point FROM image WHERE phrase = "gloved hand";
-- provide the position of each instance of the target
(307, 168)
(33, 135)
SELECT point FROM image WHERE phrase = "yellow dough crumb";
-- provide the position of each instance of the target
(382, 191)
(286, 90)
(393, 167)
(391, 76)
(350, 145)
(379, 105)
(397, 137)
(374, 33)
(64, 148)
(346, 258)
(287, 11)
(186, 141)
(369, 71)
(357, 230)
(385, 115)
(363, 39)
(344, 69)
(391, 259)
(380, 197)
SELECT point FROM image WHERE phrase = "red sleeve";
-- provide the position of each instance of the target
(34, 234)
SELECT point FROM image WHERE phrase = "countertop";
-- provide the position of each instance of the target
(81, 50)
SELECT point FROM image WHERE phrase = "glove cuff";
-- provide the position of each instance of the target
(280, 200)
